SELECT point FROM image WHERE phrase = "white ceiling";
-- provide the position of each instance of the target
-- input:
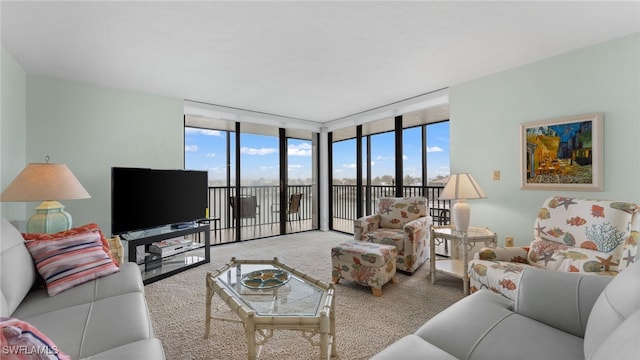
(317, 61)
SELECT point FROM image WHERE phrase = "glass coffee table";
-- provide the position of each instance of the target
(268, 295)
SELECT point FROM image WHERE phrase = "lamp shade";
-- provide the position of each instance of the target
(44, 181)
(462, 186)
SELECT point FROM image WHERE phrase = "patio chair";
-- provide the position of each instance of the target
(248, 209)
(293, 208)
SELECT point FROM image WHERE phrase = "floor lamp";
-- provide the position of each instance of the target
(461, 187)
(47, 183)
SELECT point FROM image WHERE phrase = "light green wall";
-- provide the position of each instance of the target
(486, 114)
(92, 128)
(12, 130)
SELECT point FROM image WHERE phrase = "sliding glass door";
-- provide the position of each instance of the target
(262, 179)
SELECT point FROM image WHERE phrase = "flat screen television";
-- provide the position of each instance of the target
(149, 198)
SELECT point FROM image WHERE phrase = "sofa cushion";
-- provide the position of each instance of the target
(143, 349)
(412, 347)
(622, 343)
(619, 300)
(394, 237)
(17, 273)
(23, 340)
(92, 328)
(38, 301)
(67, 262)
(396, 212)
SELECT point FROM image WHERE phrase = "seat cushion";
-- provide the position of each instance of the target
(412, 347)
(482, 326)
(143, 349)
(38, 301)
(87, 329)
(385, 236)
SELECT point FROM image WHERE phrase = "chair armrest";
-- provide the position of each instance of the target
(365, 224)
(417, 233)
(510, 254)
(559, 299)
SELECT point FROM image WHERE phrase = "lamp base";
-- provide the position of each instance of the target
(461, 215)
(49, 218)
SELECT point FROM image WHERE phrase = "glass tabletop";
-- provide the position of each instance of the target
(291, 296)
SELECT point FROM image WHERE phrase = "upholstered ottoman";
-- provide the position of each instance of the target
(365, 263)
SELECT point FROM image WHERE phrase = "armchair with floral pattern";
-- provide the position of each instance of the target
(570, 234)
(403, 223)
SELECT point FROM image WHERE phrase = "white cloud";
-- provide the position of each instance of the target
(349, 166)
(211, 155)
(434, 149)
(254, 151)
(191, 148)
(380, 157)
(207, 132)
(302, 149)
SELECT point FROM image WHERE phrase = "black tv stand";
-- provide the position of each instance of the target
(183, 225)
(176, 262)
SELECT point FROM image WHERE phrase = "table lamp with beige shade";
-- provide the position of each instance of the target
(47, 183)
(461, 187)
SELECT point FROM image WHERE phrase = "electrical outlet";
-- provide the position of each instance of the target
(496, 175)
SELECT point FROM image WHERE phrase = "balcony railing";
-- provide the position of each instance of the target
(344, 202)
(343, 196)
(267, 197)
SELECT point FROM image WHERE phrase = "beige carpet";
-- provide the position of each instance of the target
(365, 324)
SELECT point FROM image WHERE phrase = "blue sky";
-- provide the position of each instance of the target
(206, 150)
(383, 157)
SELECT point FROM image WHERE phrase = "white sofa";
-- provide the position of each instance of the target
(105, 318)
(556, 315)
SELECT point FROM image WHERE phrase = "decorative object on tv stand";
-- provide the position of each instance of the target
(47, 183)
(461, 187)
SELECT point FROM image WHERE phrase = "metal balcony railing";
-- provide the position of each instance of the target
(344, 200)
(343, 196)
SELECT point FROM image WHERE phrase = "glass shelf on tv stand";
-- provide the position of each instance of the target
(173, 263)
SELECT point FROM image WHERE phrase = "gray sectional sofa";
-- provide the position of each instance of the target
(555, 315)
(106, 318)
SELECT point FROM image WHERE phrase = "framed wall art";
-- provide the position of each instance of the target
(562, 154)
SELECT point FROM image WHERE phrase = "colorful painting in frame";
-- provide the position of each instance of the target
(562, 154)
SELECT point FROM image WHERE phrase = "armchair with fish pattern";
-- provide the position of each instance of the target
(403, 223)
(572, 235)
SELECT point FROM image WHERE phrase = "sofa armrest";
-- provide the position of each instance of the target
(417, 233)
(562, 300)
(365, 224)
(510, 254)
